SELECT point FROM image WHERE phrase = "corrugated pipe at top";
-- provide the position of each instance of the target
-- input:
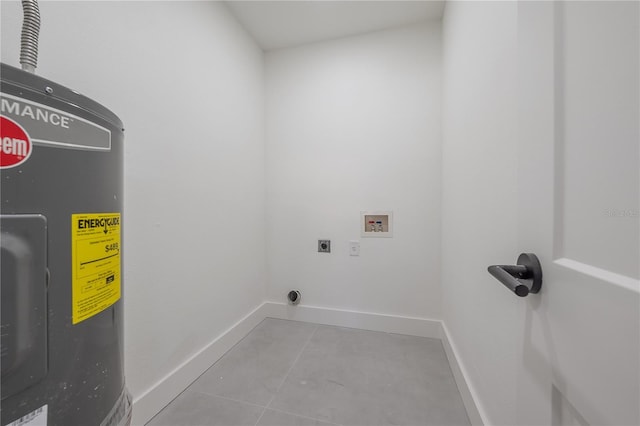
(30, 33)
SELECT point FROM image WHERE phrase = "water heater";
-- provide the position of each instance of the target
(61, 226)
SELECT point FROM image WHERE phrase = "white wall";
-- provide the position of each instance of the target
(354, 124)
(188, 84)
(479, 197)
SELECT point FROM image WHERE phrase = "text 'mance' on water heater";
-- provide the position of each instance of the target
(61, 288)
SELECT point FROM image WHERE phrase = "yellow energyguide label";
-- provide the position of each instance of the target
(95, 263)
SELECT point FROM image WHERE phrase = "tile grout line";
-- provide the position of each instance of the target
(304, 417)
(287, 375)
(228, 399)
(236, 400)
(261, 414)
(295, 361)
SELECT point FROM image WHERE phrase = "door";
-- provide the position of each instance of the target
(579, 211)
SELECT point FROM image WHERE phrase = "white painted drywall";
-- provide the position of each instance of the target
(479, 197)
(187, 82)
(354, 124)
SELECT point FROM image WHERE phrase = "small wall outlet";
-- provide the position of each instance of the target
(324, 246)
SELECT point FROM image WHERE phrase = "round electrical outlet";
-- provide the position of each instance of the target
(324, 246)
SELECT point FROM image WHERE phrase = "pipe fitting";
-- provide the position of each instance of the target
(294, 297)
(30, 34)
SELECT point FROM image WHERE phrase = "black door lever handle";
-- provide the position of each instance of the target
(523, 278)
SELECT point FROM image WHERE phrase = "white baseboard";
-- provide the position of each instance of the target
(166, 389)
(467, 391)
(423, 327)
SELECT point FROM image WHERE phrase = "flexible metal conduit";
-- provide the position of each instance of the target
(30, 32)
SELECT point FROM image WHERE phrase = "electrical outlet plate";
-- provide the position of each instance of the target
(324, 246)
(376, 224)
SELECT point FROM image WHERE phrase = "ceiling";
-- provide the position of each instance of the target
(278, 24)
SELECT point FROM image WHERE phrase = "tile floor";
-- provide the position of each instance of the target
(288, 373)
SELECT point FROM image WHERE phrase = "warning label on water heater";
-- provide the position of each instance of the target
(95, 258)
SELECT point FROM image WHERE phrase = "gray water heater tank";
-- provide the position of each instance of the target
(61, 241)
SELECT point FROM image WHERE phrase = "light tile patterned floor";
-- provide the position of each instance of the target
(288, 373)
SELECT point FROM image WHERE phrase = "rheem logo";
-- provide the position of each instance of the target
(15, 145)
